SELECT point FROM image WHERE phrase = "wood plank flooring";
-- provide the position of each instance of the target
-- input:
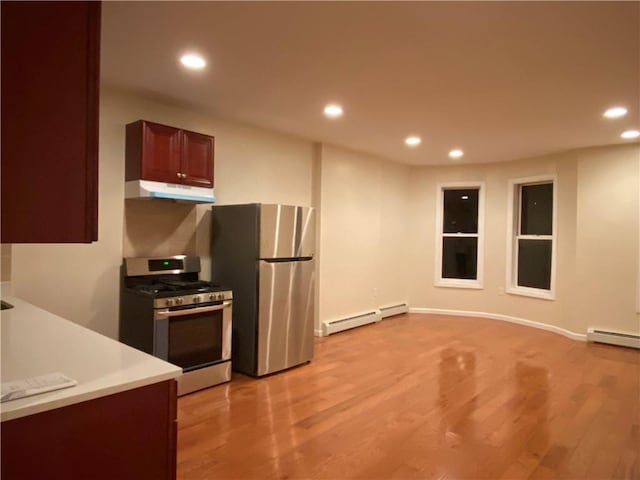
(424, 397)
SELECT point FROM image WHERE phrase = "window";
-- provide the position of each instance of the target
(459, 235)
(531, 252)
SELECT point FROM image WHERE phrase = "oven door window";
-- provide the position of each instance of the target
(195, 340)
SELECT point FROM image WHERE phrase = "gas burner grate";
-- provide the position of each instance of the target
(152, 288)
(185, 284)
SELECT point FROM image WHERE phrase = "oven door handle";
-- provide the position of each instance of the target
(190, 311)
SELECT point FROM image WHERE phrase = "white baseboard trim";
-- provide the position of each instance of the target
(505, 318)
(317, 333)
(330, 327)
(392, 310)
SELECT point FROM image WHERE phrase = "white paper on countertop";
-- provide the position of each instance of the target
(35, 385)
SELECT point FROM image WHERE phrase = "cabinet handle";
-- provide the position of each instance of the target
(179, 175)
(182, 175)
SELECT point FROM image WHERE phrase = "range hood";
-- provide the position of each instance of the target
(149, 189)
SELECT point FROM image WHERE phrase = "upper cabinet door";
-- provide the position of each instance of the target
(197, 159)
(161, 153)
(49, 102)
(167, 154)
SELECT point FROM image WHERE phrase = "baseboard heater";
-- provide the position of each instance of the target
(335, 326)
(613, 338)
(392, 310)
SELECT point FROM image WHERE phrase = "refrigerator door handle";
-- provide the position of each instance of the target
(288, 259)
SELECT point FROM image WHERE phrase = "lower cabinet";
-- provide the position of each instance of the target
(128, 435)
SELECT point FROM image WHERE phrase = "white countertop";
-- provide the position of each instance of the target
(36, 342)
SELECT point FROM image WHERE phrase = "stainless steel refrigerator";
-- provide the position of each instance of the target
(264, 253)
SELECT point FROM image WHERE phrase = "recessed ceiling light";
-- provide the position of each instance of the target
(457, 153)
(413, 141)
(333, 110)
(630, 134)
(193, 61)
(615, 112)
(465, 197)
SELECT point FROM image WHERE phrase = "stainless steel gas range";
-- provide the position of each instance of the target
(165, 310)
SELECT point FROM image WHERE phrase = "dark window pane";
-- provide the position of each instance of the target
(537, 209)
(460, 211)
(534, 264)
(460, 257)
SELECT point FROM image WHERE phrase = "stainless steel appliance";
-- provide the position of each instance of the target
(165, 310)
(265, 254)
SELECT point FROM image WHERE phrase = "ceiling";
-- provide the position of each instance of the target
(500, 80)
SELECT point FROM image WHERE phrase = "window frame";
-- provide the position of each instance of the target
(439, 281)
(514, 212)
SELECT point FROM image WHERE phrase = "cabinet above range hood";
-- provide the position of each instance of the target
(168, 162)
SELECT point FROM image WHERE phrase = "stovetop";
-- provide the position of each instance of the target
(171, 288)
(169, 282)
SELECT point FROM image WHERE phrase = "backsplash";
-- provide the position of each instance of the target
(155, 228)
(5, 258)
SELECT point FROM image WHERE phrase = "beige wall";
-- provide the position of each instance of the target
(251, 165)
(81, 282)
(607, 239)
(597, 239)
(363, 232)
(376, 226)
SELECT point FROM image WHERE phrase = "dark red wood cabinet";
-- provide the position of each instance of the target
(128, 435)
(162, 153)
(49, 102)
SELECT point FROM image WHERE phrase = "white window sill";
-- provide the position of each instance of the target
(454, 283)
(532, 292)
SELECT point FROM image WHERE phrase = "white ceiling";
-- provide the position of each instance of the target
(501, 80)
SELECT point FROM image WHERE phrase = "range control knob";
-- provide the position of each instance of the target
(196, 299)
(221, 296)
(179, 300)
(212, 296)
(169, 302)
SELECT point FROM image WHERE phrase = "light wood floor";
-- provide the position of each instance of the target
(428, 397)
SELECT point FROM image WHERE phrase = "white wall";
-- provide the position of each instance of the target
(81, 282)
(363, 232)
(597, 239)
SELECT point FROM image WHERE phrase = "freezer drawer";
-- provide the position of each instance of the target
(285, 319)
(286, 231)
